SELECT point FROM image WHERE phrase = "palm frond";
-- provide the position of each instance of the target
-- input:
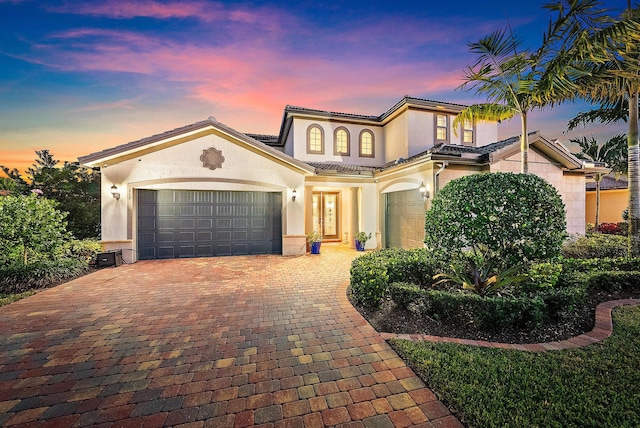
(614, 113)
(483, 112)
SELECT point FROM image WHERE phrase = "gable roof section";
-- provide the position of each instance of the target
(491, 153)
(187, 133)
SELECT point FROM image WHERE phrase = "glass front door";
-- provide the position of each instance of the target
(325, 214)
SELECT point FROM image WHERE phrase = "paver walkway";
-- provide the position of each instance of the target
(217, 342)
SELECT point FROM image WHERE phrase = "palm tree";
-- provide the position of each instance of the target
(612, 153)
(503, 74)
(515, 81)
(614, 83)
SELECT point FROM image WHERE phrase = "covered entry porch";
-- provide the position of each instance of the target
(340, 210)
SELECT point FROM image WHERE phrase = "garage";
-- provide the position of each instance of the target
(404, 219)
(190, 223)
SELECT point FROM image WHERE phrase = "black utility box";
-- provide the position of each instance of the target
(109, 258)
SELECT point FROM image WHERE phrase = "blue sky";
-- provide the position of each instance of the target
(81, 76)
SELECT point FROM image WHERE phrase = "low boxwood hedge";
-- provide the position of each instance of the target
(372, 273)
(596, 245)
(487, 313)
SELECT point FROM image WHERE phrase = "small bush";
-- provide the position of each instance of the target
(610, 229)
(403, 293)
(597, 245)
(84, 250)
(562, 301)
(542, 276)
(369, 280)
(18, 278)
(372, 273)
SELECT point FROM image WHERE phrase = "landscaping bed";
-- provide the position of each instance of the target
(391, 318)
(394, 290)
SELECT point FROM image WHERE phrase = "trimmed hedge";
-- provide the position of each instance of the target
(489, 313)
(403, 293)
(608, 281)
(485, 313)
(372, 273)
(603, 264)
(596, 245)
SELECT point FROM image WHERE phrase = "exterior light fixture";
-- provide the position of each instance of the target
(293, 195)
(424, 191)
(115, 193)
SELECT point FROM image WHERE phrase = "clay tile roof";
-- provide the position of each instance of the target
(341, 168)
(290, 108)
(263, 138)
(609, 183)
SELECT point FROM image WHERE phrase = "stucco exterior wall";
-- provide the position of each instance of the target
(180, 167)
(486, 133)
(420, 130)
(612, 203)
(299, 135)
(396, 137)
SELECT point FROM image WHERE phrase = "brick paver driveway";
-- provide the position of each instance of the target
(218, 342)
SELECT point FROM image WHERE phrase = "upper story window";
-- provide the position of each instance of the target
(341, 142)
(367, 147)
(315, 139)
(442, 128)
(468, 133)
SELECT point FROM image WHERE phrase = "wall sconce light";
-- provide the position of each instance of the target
(293, 195)
(115, 193)
(424, 191)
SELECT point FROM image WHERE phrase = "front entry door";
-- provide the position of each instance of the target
(325, 214)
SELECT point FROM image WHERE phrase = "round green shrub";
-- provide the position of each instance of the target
(519, 216)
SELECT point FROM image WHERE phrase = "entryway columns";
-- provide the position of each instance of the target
(355, 215)
(308, 209)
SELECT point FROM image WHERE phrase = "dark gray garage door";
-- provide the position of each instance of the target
(405, 219)
(185, 223)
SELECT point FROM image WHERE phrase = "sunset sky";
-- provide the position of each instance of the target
(81, 76)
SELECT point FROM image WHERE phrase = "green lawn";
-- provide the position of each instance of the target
(595, 386)
(5, 299)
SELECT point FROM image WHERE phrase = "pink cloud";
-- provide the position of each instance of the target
(250, 80)
(144, 8)
(205, 11)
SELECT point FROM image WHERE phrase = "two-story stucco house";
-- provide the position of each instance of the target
(206, 189)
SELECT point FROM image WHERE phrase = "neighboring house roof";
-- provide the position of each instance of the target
(175, 136)
(608, 183)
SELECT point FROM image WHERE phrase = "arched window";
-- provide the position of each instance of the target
(341, 142)
(315, 139)
(367, 144)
